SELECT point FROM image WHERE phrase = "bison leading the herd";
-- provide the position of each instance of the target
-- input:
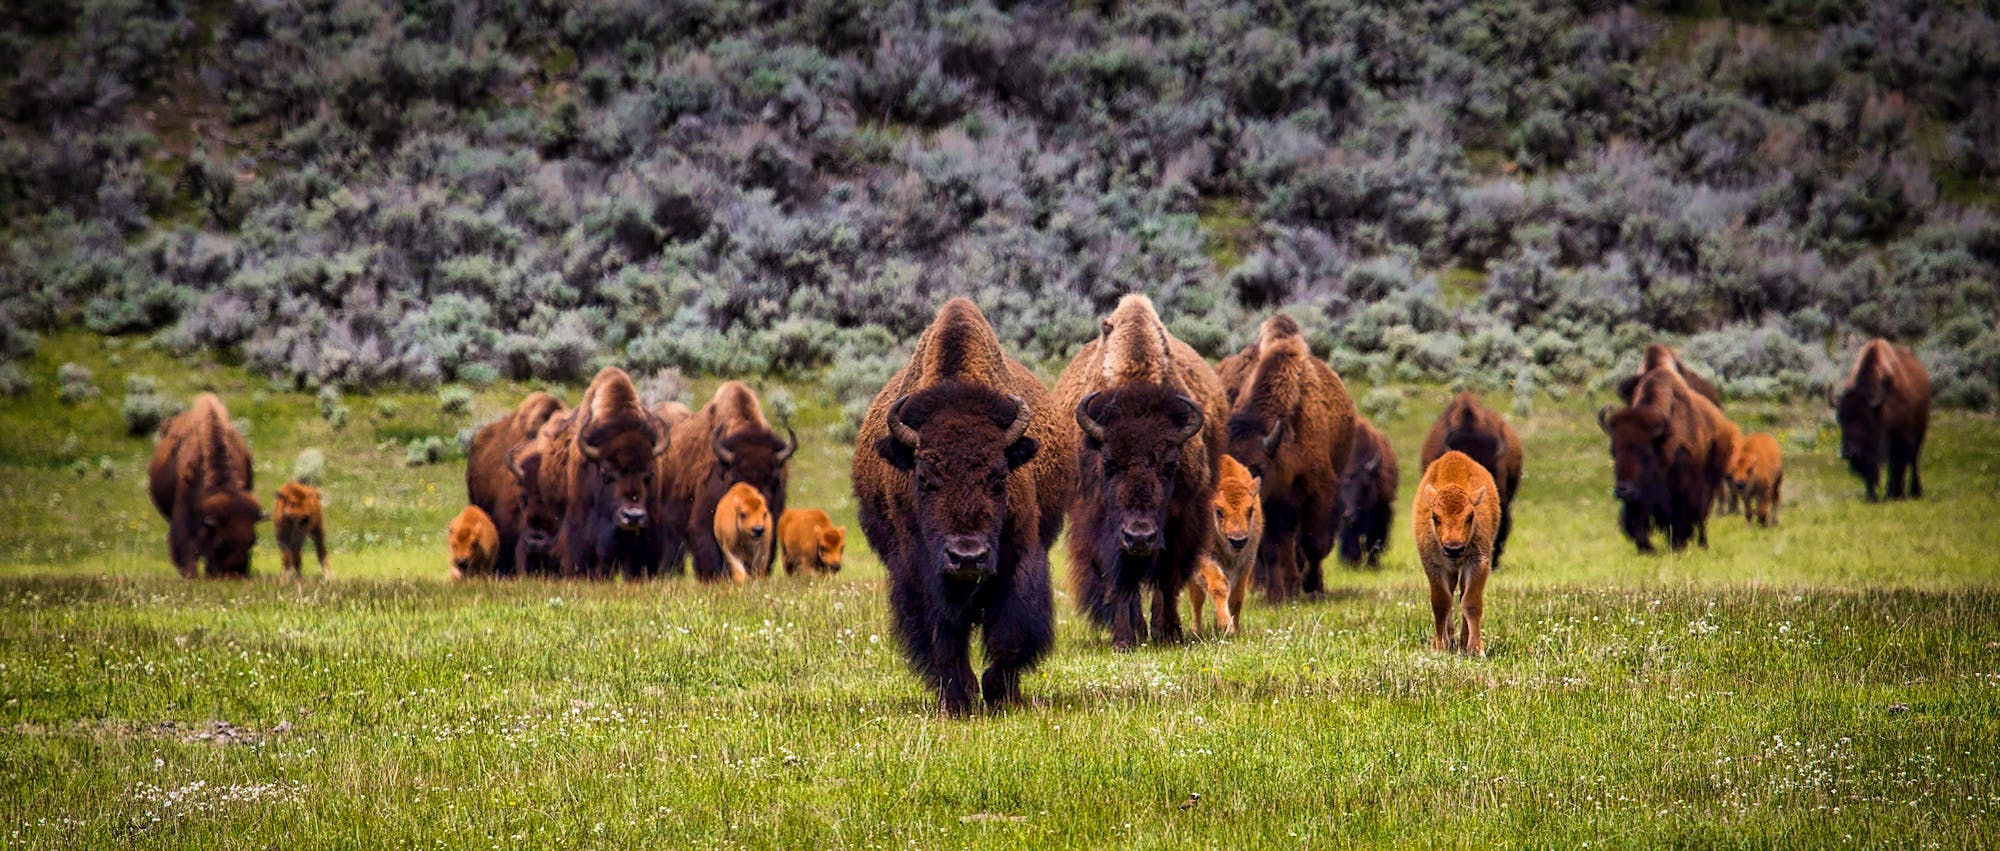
(1173, 476)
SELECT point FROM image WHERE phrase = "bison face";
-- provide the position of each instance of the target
(229, 532)
(831, 543)
(1638, 453)
(539, 514)
(958, 444)
(753, 457)
(1453, 520)
(1132, 442)
(619, 472)
(1859, 412)
(1236, 521)
(1253, 442)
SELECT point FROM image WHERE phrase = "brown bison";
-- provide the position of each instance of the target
(1658, 356)
(1293, 428)
(1884, 409)
(1147, 415)
(1456, 518)
(474, 544)
(812, 543)
(725, 443)
(1669, 451)
(1482, 433)
(1367, 496)
(494, 482)
(743, 532)
(612, 519)
(544, 499)
(300, 517)
(1224, 575)
(961, 473)
(1757, 476)
(201, 481)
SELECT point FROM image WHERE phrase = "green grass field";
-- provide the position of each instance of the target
(1833, 680)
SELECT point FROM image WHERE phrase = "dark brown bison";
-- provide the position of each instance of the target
(1483, 434)
(544, 499)
(1293, 428)
(1147, 416)
(1658, 356)
(1367, 496)
(1669, 453)
(201, 482)
(1884, 409)
(961, 472)
(727, 442)
(493, 481)
(612, 520)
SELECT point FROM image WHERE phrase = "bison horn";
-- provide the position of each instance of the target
(1276, 437)
(1020, 426)
(590, 450)
(1604, 418)
(791, 443)
(899, 429)
(1090, 426)
(1196, 419)
(514, 461)
(722, 452)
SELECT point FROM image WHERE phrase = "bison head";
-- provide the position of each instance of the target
(228, 531)
(1132, 441)
(1237, 524)
(1859, 411)
(1639, 453)
(1254, 442)
(832, 542)
(619, 467)
(958, 443)
(755, 457)
(753, 514)
(1452, 520)
(540, 513)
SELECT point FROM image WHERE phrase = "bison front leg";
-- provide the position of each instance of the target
(1166, 615)
(1635, 521)
(1475, 612)
(1440, 612)
(319, 549)
(1019, 627)
(1127, 619)
(952, 663)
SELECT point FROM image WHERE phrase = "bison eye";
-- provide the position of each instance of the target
(606, 476)
(1218, 512)
(927, 484)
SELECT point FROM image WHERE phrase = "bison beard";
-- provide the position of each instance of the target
(1140, 521)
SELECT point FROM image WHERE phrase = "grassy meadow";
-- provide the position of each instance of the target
(1833, 680)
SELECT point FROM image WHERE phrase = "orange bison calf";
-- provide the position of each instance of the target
(474, 542)
(1457, 511)
(1224, 574)
(299, 518)
(742, 532)
(812, 542)
(1756, 475)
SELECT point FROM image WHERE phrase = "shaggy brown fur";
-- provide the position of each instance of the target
(474, 544)
(1884, 409)
(1224, 575)
(743, 533)
(697, 472)
(1670, 450)
(1367, 496)
(1658, 356)
(1482, 433)
(493, 483)
(812, 543)
(1455, 517)
(1293, 427)
(1141, 516)
(612, 522)
(969, 548)
(300, 516)
(1757, 475)
(200, 480)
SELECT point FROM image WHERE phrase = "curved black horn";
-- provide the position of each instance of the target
(514, 461)
(1196, 419)
(722, 453)
(791, 443)
(1084, 421)
(1604, 418)
(899, 429)
(1020, 426)
(1276, 437)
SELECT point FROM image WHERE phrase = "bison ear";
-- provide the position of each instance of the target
(1604, 419)
(900, 455)
(1021, 452)
(1479, 496)
(1430, 491)
(1256, 484)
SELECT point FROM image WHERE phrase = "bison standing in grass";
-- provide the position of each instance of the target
(1483, 434)
(1884, 409)
(1224, 575)
(494, 480)
(1292, 427)
(1670, 450)
(612, 521)
(812, 543)
(1757, 477)
(1367, 496)
(474, 544)
(1147, 414)
(743, 533)
(1456, 518)
(961, 473)
(727, 442)
(201, 481)
(300, 517)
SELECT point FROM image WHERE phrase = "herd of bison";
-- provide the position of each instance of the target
(1173, 475)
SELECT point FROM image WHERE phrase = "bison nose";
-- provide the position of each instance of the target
(1625, 491)
(1453, 550)
(535, 538)
(756, 531)
(1139, 536)
(966, 555)
(631, 517)
(1239, 542)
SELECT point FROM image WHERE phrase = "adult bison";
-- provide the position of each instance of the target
(493, 477)
(1659, 356)
(725, 443)
(961, 473)
(1483, 435)
(1292, 427)
(1884, 408)
(201, 482)
(1148, 416)
(1367, 496)
(1669, 453)
(612, 518)
(544, 498)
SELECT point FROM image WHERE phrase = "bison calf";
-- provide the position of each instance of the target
(1224, 575)
(742, 532)
(1456, 515)
(812, 543)
(1756, 475)
(474, 543)
(299, 517)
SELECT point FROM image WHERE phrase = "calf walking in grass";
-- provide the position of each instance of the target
(1756, 476)
(1223, 576)
(300, 518)
(474, 543)
(1455, 516)
(742, 532)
